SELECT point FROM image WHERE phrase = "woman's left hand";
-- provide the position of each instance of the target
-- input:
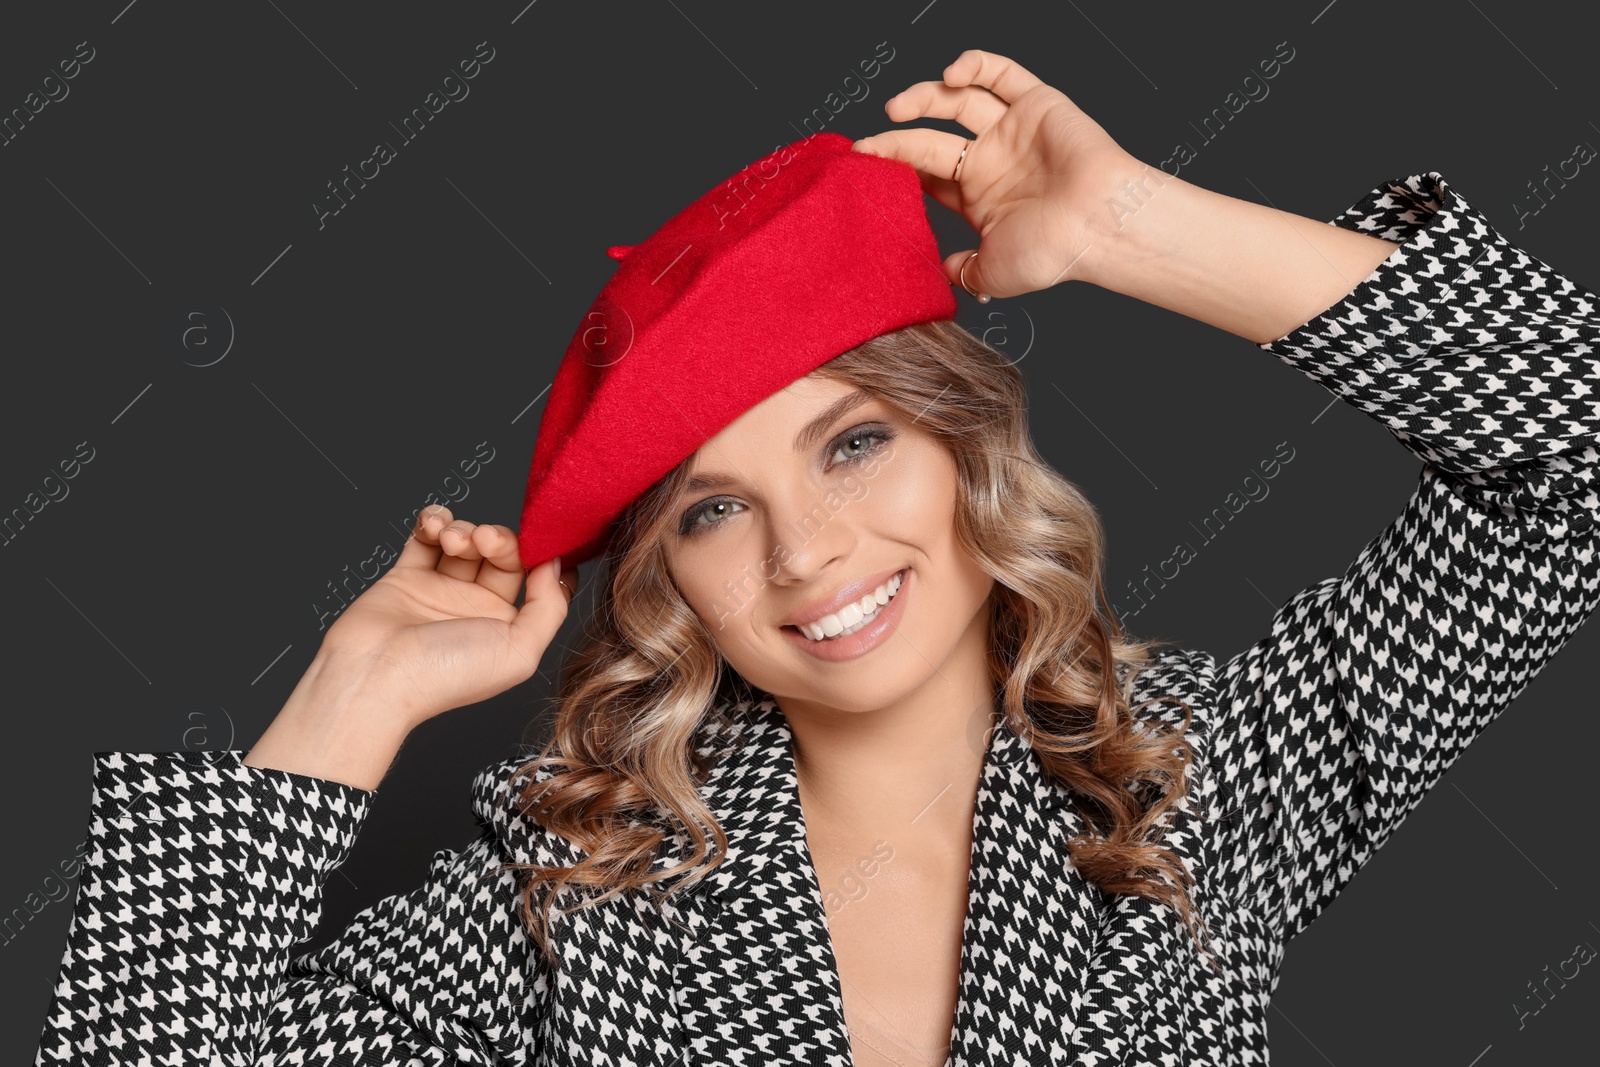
(1033, 184)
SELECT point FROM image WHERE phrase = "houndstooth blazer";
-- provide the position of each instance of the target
(1312, 745)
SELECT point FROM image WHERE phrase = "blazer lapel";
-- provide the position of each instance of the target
(1032, 919)
(611, 999)
(1149, 992)
(757, 982)
(742, 957)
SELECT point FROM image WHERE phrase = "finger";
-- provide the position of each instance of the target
(1008, 78)
(422, 549)
(972, 106)
(942, 190)
(543, 611)
(569, 581)
(461, 557)
(932, 152)
(501, 572)
(952, 269)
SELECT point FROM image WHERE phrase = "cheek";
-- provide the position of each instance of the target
(725, 612)
(719, 613)
(916, 494)
(697, 582)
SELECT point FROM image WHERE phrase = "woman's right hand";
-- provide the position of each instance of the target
(439, 630)
(441, 626)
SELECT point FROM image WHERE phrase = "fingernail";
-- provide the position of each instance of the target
(555, 566)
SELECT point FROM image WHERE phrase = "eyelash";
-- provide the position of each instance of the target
(688, 527)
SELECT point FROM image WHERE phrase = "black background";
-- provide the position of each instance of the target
(167, 602)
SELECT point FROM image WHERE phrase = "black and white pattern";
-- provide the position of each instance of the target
(1313, 744)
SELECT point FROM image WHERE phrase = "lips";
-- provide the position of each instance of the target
(850, 594)
(853, 593)
(871, 634)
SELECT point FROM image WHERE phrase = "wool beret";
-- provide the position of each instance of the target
(798, 257)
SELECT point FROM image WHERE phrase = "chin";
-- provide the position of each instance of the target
(862, 687)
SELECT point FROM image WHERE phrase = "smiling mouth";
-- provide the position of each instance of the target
(853, 616)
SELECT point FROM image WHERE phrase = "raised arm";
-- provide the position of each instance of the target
(204, 871)
(1481, 360)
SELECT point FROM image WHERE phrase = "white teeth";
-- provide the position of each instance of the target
(853, 616)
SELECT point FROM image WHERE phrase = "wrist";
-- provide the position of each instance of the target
(344, 722)
(355, 686)
(1141, 224)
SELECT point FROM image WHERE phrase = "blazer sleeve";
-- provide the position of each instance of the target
(1481, 361)
(201, 876)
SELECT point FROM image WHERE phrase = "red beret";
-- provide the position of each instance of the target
(800, 256)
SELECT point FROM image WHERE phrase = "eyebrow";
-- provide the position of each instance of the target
(809, 434)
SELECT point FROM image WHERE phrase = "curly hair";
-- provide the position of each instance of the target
(646, 671)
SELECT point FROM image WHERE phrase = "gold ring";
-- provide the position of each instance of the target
(964, 263)
(957, 175)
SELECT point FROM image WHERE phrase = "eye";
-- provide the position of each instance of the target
(691, 524)
(854, 438)
(882, 435)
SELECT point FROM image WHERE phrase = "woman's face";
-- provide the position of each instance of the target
(815, 491)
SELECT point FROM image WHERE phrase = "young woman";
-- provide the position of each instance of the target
(852, 764)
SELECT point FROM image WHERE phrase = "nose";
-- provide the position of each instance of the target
(806, 534)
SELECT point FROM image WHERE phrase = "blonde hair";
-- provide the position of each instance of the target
(646, 671)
